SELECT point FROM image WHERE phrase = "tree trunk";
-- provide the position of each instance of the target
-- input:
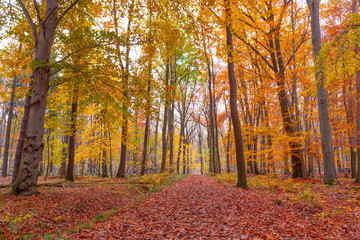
(26, 179)
(325, 129)
(165, 123)
(200, 149)
(4, 169)
(228, 148)
(104, 171)
(124, 129)
(72, 139)
(62, 169)
(184, 156)
(147, 129)
(23, 127)
(240, 159)
(212, 161)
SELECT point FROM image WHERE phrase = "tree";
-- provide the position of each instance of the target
(26, 179)
(325, 129)
(240, 161)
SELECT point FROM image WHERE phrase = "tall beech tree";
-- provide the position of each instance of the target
(325, 129)
(240, 159)
(43, 36)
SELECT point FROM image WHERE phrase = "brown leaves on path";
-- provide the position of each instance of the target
(200, 208)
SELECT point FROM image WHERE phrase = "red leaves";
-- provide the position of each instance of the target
(200, 208)
(196, 208)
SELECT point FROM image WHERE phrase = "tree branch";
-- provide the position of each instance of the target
(37, 11)
(29, 19)
(66, 10)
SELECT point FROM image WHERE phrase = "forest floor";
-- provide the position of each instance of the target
(63, 208)
(197, 207)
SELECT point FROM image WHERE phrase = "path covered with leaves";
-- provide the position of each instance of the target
(200, 207)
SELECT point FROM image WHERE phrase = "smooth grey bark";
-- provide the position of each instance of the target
(200, 149)
(240, 159)
(165, 123)
(325, 128)
(171, 135)
(181, 137)
(156, 138)
(26, 179)
(4, 169)
(212, 160)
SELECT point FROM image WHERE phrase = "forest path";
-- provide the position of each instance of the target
(199, 207)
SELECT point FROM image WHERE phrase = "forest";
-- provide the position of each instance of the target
(181, 119)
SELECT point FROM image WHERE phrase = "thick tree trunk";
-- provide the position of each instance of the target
(325, 128)
(72, 139)
(240, 159)
(26, 179)
(124, 133)
(23, 128)
(4, 169)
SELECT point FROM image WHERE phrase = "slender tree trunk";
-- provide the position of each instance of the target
(240, 159)
(181, 139)
(357, 51)
(200, 149)
(165, 123)
(72, 139)
(212, 161)
(325, 128)
(4, 169)
(184, 156)
(124, 129)
(135, 149)
(104, 173)
(3, 120)
(228, 148)
(356, 140)
(147, 129)
(62, 169)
